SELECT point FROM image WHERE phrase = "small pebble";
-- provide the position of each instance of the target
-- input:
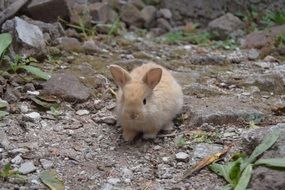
(33, 116)
(47, 164)
(82, 112)
(17, 159)
(113, 181)
(182, 156)
(27, 167)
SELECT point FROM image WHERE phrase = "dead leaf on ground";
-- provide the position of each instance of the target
(205, 162)
(50, 179)
(279, 111)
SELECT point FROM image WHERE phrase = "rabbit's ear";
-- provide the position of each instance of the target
(120, 75)
(152, 77)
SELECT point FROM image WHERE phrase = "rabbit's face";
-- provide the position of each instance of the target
(134, 101)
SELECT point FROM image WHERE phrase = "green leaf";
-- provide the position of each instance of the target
(266, 143)
(221, 170)
(271, 162)
(230, 172)
(227, 187)
(5, 41)
(50, 179)
(3, 114)
(44, 104)
(3, 104)
(244, 179)
(36, 71)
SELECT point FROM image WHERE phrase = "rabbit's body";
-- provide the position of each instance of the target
(147, 102)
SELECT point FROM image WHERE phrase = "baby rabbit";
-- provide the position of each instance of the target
(147, 100)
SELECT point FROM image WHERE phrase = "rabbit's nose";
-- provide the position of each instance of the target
(134, 115)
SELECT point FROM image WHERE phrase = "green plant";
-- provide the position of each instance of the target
(274, 17)
(5, 42)
(238, 172)
(228, 44)
(279, 40)
(181, 141)
(21, 63)
(7, 172)
(81, 27)
(114, 30)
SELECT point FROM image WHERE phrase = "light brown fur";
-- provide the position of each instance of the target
(164, 99)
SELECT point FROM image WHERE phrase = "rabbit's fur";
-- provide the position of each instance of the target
(147, 100)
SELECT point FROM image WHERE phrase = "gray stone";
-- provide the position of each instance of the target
(164, 171)
(253, 54)
(194, 8)
(4, 141)
(29, 39)
(17, 160)
(100, 12)
(220, 110)
(127, 174)
(131, 15)
(225, 25)
(66, 86)
(27, 167)
(82, 112)
(68, 43)
(204, 150)
(208, 59)
(264, 38)
(268, 82)
(182, 156)
(113, 181)
(48, 10)
(53, 30)
(24, 107)
(47, 164)
(164, 24)
(149, 13)
(33, 117)
(139, 4)
(165, 13)
(110, 120)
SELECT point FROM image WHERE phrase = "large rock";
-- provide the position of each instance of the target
(28, 38)
(269, 82)
(100, 12)
(149, 13)
(226, 25)
(264, 178)
(51, 31)
(220, 110)
(69, 44)
(131, 15)
(66, 86)
(48, 10)
(263, 39)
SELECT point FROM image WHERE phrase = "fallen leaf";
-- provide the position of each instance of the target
(50, 179)
(279, 111)
(205, 162)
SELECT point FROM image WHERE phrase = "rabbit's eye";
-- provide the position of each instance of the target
(144, 101)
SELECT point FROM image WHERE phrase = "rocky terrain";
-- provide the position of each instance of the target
(233, 96)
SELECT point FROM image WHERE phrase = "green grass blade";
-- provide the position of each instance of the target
(5, 41)
(3, 114)
(244, 179)
(266, 143)
(36, 71)
(221, 170)
(271, 162)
